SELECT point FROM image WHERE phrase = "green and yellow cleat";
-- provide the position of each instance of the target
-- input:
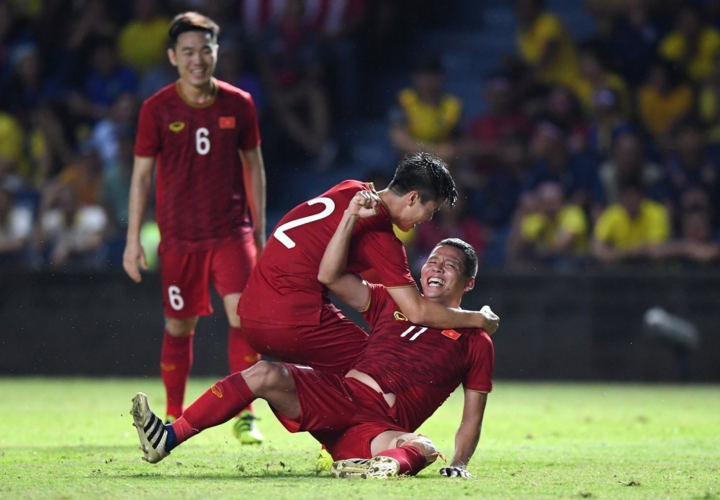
(245, 429)
(324, 462)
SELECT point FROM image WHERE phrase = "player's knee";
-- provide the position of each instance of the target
(423, 443)
(263, 376)
(180, 327)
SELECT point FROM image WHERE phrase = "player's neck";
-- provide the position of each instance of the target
(453, 302)
(198, 94)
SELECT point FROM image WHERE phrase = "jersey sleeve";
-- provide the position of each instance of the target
(481, 362)
(382, 251)
(378, 296)
(148, 141)
(249, 130)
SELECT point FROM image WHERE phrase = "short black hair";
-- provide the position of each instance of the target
(191, 21)
(470, 260)
(428, 175)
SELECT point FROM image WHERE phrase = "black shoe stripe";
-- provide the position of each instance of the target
(158, 438)
(153, 422)
(156, 433)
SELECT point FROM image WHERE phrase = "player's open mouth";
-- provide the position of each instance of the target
(435, 282)
(198, 73)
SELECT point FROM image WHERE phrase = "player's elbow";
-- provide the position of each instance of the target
(327, 278)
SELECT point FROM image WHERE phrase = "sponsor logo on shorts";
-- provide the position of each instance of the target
(227, 122)
(217, 391)
(176, 126)
(167, 367)
(400, 316)
(451, 334)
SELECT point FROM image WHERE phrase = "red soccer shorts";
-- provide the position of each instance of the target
(186, 278)
(342, 413)
(331, 346)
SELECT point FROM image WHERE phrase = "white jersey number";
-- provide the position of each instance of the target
(202, 141)
(416, 334)
(176, 300)
(280, 231)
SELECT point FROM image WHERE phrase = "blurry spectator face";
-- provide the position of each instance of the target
(628, 153)
(145, 10)
(67, 202)
(658, 77)
(548, 140)
(514, 156)
(105, 59)
(690, 143)
(631, 199)
(428, 83)
(688, 22)
(560, 102)
(29, 66)
(605, 103)
(497, 94)
(696, 226)
(125, 108)
(527, 10)
(195, 57)
(550, 198)
(590, 66)
(90, 164)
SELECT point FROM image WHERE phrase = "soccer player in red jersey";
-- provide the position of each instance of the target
(203, 134)
(286, 312)
(367, 418)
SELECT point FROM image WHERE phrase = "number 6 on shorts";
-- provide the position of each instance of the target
(176, 300)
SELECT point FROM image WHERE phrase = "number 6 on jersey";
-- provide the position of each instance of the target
(280, 231)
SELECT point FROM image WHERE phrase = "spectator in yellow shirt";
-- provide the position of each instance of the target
(544, 43)
(426, 118)
(555, 233)
(663, 99)
(692, 44)
(632, 229)
(143, 41)
(596, 77)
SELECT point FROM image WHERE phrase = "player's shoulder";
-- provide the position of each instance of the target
(478, 337)
(233, 92)
(165, 94)
(348, 188)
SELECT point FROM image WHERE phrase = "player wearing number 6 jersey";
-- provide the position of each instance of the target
(203, 134)
(286, 312)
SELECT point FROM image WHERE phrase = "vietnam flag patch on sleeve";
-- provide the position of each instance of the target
(451, 334)
(227, 122)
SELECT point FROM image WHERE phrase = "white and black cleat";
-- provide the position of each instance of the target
(366, 468)
(151, 430)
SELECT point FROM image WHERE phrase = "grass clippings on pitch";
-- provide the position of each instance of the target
(73, 438)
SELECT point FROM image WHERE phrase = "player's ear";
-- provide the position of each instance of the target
(470, 284)
(171, 56)
(413, 197)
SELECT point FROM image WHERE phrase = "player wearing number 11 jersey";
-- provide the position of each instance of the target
(203, 134)
(286, 311)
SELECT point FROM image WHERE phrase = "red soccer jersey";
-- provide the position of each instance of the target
(422, 366)
(283, 288)
(201, 201)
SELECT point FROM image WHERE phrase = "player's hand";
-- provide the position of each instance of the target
(364, 204)
(492, 320)
(454, 471)
(134, 253)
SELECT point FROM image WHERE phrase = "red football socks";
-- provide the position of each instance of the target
(411, 459)
(240, 355)
(219, 404)
(175, 364)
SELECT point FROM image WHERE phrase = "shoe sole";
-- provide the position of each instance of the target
(139, 409)
(374, 468)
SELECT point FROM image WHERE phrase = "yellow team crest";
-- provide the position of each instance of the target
(176, 126)
(400, 316)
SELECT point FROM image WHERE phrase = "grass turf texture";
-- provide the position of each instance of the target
(73, 438)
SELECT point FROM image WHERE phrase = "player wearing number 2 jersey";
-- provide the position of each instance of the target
(286, 312)
(404, 375)
(203, 134)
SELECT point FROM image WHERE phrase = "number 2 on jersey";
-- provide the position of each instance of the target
(280, 231)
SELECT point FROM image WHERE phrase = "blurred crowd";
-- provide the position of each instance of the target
(592, 151)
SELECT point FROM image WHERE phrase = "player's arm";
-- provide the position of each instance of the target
(422, 311)
(255, 188)
(468, 434)
(332, 272)
(140, 186)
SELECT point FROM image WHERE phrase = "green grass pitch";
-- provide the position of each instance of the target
(73, 438)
